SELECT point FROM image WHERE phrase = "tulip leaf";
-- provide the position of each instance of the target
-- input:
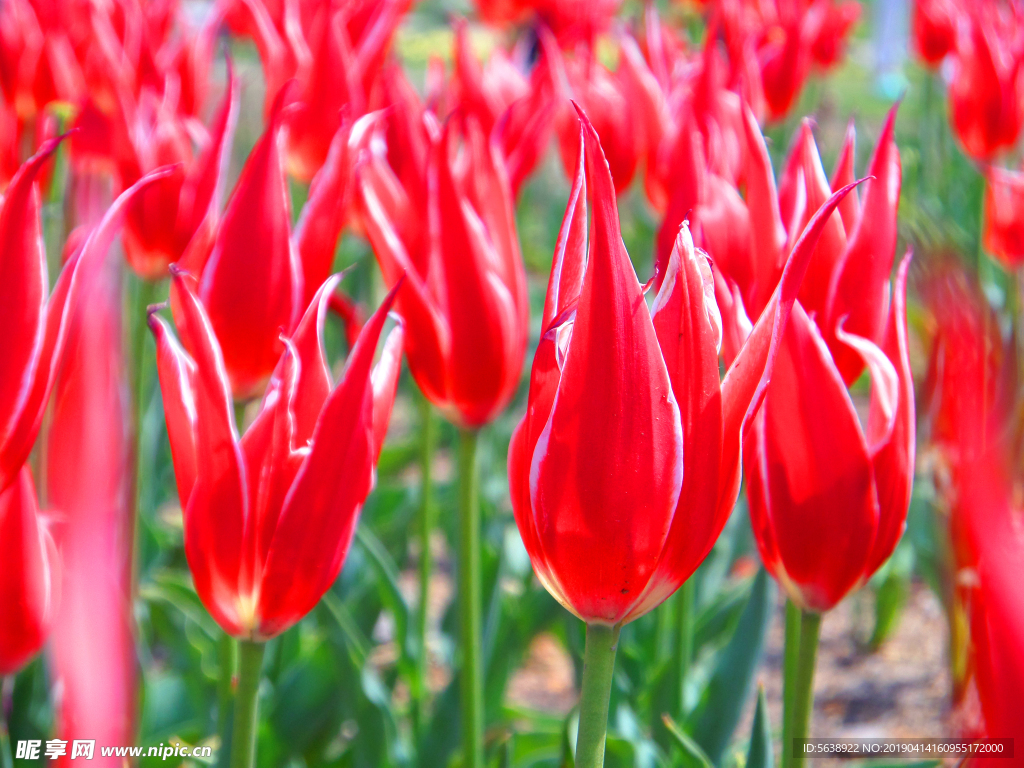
(760, 754)
(891, 595)
(693, 755)
(391, 595)
(721, 706)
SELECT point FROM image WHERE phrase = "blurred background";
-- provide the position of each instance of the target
(894, 658)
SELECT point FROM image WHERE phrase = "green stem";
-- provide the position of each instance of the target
(6, 756)
(227, 656)
(595, 693)
(683, 653)
(145, 294)
(980, 255)
(790, 662)
(469, 603)
(243, 736)
(803, 694)
(426, 565)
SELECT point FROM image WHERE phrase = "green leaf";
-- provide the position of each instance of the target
(391, 595)
(693, 755)
(720, 709)
(891, 595)
(760, 754)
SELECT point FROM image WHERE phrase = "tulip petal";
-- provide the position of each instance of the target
(894, 460)
(176, 372)
(323, 216)
(320, 512)
(385, 386)
(217, 512)
(861, 278)
(832, 243)
(885, 387)
(849, 209)
(199, 206)
(18, 442)
(745, 382)
(817, 481)
(599, 483)
(485, 312)
(310, 367)
(725, 225)
(689, 329)
(559, 314)
(428, 341)
(769, 233)
(570, 251)
(28, 579)
(253, 249)
(23, 288)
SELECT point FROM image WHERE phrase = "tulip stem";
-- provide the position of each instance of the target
(683, 648)
(145, 294)
(227, 656)
(243, 736)
(803, 693)
(469, 603)
(426, 565)
(595, 693)
(791, 659)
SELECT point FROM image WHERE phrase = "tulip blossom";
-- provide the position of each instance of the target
(342, 74)
(828, 497)
(501, 95)
(788, 38)
(180, 212)
(748, 238)
(986, 102)
(1004, 216)
(465, 301)
(90, 483)
(995, 601)
(269, 517)
(934, 27)
(607, 97)
(30, 576)
(333, 51)
(630, 400)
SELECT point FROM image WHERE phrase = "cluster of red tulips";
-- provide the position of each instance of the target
(769, 348)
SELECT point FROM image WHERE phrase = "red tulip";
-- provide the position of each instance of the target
(465, 302)
(985, 95)
(607, 96)
(934, 26)
(995, 602)
(703, 145)
(342, 74)
(1004, 216)
(32, 322)
(849, 272)
(828, 498)
(789, 39)
(90, 481)
(29, 579)
(626, 465)
(269, 517)
(502, 95)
